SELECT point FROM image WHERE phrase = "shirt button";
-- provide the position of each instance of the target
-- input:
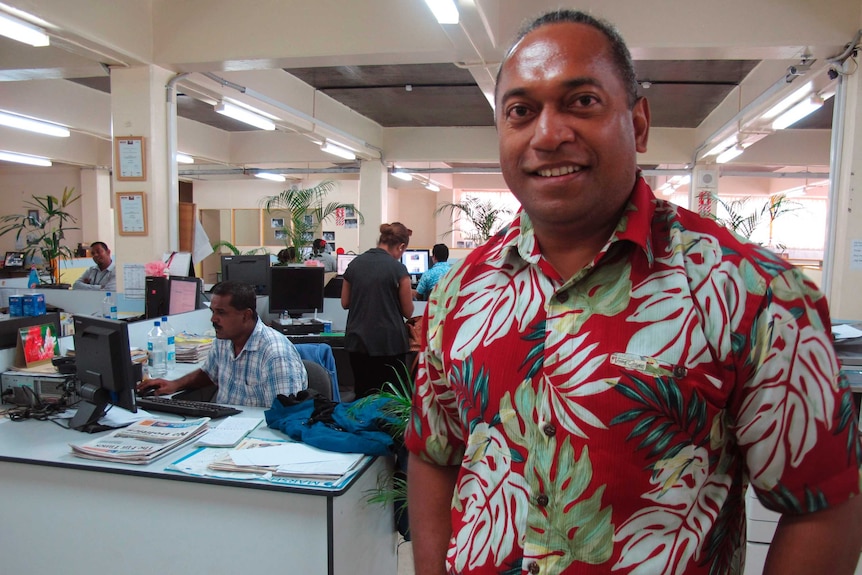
(679, 371)
(534, 568)
(549, 429)
(562, 297)
(542, 500)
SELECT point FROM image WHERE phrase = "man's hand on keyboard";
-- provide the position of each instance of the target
(158, 386)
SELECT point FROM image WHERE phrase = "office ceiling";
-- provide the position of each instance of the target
(391, 63)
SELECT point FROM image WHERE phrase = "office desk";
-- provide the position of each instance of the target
(63, 514)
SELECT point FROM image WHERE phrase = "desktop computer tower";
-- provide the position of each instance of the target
(157, 297)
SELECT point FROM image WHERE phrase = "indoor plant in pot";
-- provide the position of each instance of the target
(43, 228)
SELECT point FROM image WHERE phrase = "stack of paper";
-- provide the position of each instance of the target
(143, 441)
(192, 348)
(230, 431)
(287, 459)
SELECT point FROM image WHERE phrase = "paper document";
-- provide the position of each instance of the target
(230, 431)
(297, 459)
(845, 331)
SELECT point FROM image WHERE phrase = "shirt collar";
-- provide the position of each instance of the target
(519, 239)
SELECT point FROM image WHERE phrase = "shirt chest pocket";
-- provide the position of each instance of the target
(660, 399)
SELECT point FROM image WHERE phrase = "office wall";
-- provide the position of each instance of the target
(18, 185)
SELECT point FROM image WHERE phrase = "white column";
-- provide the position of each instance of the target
(97, 217)
(373, 202)
(138, 109)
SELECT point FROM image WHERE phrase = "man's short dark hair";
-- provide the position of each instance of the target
(619, 51)
(318, 246)
(440, 252)
(241, 294)
(103, 244)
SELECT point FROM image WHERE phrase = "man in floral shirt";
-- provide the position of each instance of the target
(603, 378)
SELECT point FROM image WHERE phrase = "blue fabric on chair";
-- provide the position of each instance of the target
(321, 353)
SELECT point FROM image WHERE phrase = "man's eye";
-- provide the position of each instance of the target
(585, 100)
(517, 112)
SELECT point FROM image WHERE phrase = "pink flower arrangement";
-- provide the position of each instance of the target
(157, 268)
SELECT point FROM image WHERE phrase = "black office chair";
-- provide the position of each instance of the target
(318, 378)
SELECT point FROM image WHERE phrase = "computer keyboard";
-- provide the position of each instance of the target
(186, 407)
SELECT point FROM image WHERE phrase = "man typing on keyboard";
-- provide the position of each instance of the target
(250, 362)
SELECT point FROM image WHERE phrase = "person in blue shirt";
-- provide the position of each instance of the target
(439, 255)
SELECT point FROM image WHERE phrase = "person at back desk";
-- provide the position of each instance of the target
(439, 257)
(101, 276)
(250, 362)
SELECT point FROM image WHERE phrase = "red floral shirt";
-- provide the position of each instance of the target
(609, 423)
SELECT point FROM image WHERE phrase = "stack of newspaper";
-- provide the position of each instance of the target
(286, 459)
(192, 348)
(143, 441)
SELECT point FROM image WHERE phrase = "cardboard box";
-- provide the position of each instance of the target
(34, 304)
(16, 305)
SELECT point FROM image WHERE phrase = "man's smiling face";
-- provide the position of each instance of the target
(568, 137)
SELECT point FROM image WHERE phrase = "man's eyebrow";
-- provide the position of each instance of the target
(569, 84)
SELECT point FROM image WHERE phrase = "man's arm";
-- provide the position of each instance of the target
(827, 541)
(429, 503)
(194, 380)
(85, 281)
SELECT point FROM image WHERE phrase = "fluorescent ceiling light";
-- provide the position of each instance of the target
(22, 31)
(336, 150)
(444, 10)
(270, 176)
(33, 125)
(432, 186)
(25, 159)
(402, 175)
(243, 115)
(184, 158)
(725, 144)
(797, 112)
(790, 100)
(729, 154)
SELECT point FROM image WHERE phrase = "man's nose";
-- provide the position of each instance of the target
(551, 130)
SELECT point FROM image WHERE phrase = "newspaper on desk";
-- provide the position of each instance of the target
(143, 441)
(249, 461)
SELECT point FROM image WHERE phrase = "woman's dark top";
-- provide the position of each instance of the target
(375, 325)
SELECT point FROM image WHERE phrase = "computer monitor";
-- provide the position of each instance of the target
(14, 261)
(416, 261)
(342, 261)
(103, 367)
(253, 270)
(296, 290)
(185, 294)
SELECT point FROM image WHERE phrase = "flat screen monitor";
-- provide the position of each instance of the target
(103, 367)
(342, 261)
(185, 294)
(14, 261)
(253, 270)
(296, 290)
(416, 261)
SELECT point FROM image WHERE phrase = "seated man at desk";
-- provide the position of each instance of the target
(250, 362)
(102, 275)
(439, 257)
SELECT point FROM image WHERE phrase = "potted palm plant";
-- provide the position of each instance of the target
(43, 228)
(305, 209)
(485, 217)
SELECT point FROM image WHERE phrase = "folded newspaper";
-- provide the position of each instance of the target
(143, 441)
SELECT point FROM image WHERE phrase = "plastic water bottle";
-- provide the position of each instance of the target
(170, 336)
(33, 279)
(157, 352)
(109, 306)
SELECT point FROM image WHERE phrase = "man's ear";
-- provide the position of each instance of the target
(640, 122)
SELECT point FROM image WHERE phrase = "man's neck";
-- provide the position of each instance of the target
(239, 343)
(568, 253)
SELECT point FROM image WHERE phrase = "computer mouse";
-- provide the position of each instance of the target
(147, 392)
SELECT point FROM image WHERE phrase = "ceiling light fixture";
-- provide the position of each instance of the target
(797, 112)
(444, 10)
(22, 31)
(25, 159)
(184, 158)
(33, 125)
(270, 176)
(432, 186)
(244, 115)
(402, 175)
(725, 144)
(789, 101)
(729, 154)
(337, 150)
